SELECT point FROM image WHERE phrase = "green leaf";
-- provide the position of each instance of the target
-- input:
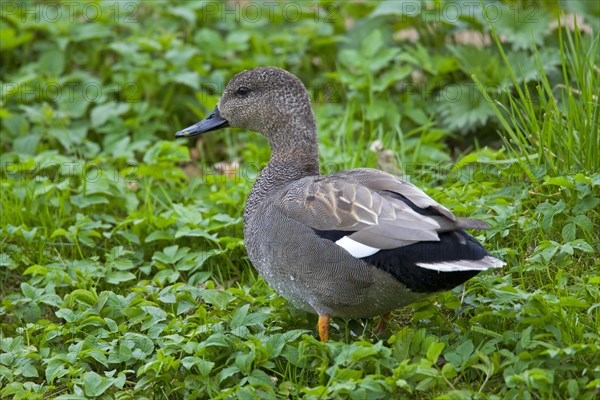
(171, 254)
(98, 356)
(461, 107)
(55, 370)
(371, 44)
(573, 302)
(350, 59)
(117, 277)
(186, 231)
(29, 371)
(216, 297)
(31, 291)
(209, 40)
(7, 261)
(587, 203)
(82, 32)
(583, 222)
(94, 384)
(205, 367)
(58, 232)
(166, 151)
(52, 63)
(124, 353)
(548, 212)
(559, 181)
(243, 361)
(582, 245)
(274, 345)
(449, 371)
(568, 232)
(239, 317)
(9, 39)
(167, 295)
(105, 112)
(459, 356)
(434, 351)
(66, 314)
(83, 201)
(27, 144)
(390, 77)
(190, 78)
(201, 259)
(159, 235)
(524, 27)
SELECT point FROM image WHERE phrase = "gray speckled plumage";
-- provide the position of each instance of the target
(295, 217)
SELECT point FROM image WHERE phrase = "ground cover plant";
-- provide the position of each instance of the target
(122, 267)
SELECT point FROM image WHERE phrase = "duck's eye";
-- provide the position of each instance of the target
(243, 90)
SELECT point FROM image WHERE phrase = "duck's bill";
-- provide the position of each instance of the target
(211, 123)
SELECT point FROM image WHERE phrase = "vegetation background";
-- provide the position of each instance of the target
(122, 267)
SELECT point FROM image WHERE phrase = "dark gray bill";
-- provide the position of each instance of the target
(211, 123)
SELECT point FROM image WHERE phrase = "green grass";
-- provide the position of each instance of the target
(122, 267)
(555, 127)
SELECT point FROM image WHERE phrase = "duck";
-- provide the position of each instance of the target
(353, 244)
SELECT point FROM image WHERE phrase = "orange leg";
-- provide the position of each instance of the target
(324, 322)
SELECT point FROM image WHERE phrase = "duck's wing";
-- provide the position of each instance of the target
(379, 209)
(401, 190)
(366, 211)
(381, 181)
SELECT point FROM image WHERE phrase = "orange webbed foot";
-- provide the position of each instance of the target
(324, 322)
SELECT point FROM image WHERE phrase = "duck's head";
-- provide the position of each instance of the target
(268, 100)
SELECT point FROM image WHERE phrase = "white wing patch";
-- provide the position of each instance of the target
(485, 263)
(356, 249)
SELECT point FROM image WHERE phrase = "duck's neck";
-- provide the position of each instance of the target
(294, 155)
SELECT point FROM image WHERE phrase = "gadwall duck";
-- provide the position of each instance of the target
(353, 244)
